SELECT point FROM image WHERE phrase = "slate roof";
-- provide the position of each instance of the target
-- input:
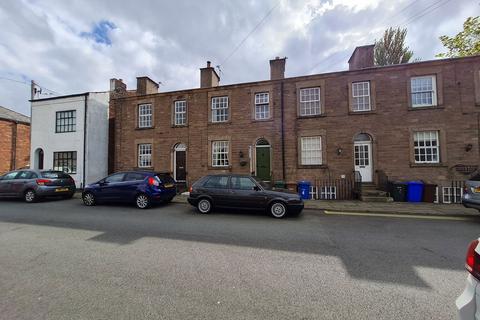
(13, 116)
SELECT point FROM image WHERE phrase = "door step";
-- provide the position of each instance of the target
(376, 198)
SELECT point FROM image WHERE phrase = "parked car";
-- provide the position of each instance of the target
(31, 185)
(471, 193)
(243, 192)
(143, 188)
(468, 304)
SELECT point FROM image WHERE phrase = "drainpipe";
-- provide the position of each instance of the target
(283, 132)
(84, 141)
(13, 158)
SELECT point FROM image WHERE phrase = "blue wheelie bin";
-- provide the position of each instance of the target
(304, 189)
(415, 191)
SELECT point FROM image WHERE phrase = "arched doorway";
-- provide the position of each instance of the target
(262, 159)
(180, 163)
(362, 150)
(38, 159)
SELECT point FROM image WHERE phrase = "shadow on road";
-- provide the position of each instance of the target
(373, 249)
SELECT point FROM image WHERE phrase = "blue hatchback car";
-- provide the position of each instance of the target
(143, 188)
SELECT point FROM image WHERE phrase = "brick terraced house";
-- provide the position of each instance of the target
(14, 141)
(401, 122)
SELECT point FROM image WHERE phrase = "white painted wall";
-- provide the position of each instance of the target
(43, 134)
(97, 136)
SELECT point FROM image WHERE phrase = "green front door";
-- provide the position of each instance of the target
(263, 163)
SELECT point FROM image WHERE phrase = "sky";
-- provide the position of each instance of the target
(70, 47)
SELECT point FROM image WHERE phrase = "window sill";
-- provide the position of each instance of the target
(351, 112)
(210, 123)
(220, 168)
(179, 125)
(144, 168)
(262, 120)
(312, 166)
(310, 117)
(427, 165)
(145, 128)
(410, 108)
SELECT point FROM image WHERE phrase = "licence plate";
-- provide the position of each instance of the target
(169, 185)
(61, 189)
(476, 190)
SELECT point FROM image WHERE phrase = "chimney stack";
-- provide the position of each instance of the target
(208, 77)
(117, 85)
(145, 85)
(362, 57)
(277, 68)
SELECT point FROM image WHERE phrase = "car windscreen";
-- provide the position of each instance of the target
(164, 178)
(55, 175)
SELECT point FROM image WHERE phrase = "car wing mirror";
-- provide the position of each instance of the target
(256, 188)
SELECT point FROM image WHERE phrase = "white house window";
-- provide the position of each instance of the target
(328, 193)
(262, 107)
(309, 101)
(219, 109)
(424, 91)
(220, 151)
(361, 96)
(144, 155)
(145, 116)
(426, 147)
(311, 148)
(65, 121)
(65, 161)
(180, 113)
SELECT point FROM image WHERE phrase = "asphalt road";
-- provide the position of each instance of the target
(61, 260)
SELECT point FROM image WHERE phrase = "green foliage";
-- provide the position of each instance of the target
(465, 43)
(391, 48)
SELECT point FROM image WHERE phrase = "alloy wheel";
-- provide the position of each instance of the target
(142, 201)
(30, 196)
(88, 199)
(278, 210)
(204, 206)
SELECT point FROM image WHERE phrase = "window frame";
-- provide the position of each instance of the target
(426, 147)
(302, 102)
(303, 152)
(263, 104)
(184, 113)
(144, 120)
(58, 162)
(434, 92)
(68, 121)
(140, 155)
(220, 104)
(226, 160)
(354, 97)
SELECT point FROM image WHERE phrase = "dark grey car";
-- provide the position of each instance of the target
(32, 185)
(242, 192)
(471, 193)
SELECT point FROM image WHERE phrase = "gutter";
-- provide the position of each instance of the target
(84, 141)
(283, 132)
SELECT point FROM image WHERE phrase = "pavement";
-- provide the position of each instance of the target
(62, 260)
(409, 208)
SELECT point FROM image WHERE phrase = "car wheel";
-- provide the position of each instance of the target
(142, 201)
(278, 210)
(88, 199)
(30, 196)
(204, 206)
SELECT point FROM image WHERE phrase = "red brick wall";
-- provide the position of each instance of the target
(22, 146)
(390, 124)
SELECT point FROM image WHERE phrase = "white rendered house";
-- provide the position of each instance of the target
(70, 133)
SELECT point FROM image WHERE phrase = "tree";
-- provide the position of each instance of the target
(465, 43)
(391, 48)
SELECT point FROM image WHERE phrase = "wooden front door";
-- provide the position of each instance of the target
(263, 162)
(180, 166)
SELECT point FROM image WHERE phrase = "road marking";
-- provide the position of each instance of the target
(408, 216)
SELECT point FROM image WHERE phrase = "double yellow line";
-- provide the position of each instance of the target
(395, 215)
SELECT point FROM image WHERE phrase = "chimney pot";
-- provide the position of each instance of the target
(208, 64)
